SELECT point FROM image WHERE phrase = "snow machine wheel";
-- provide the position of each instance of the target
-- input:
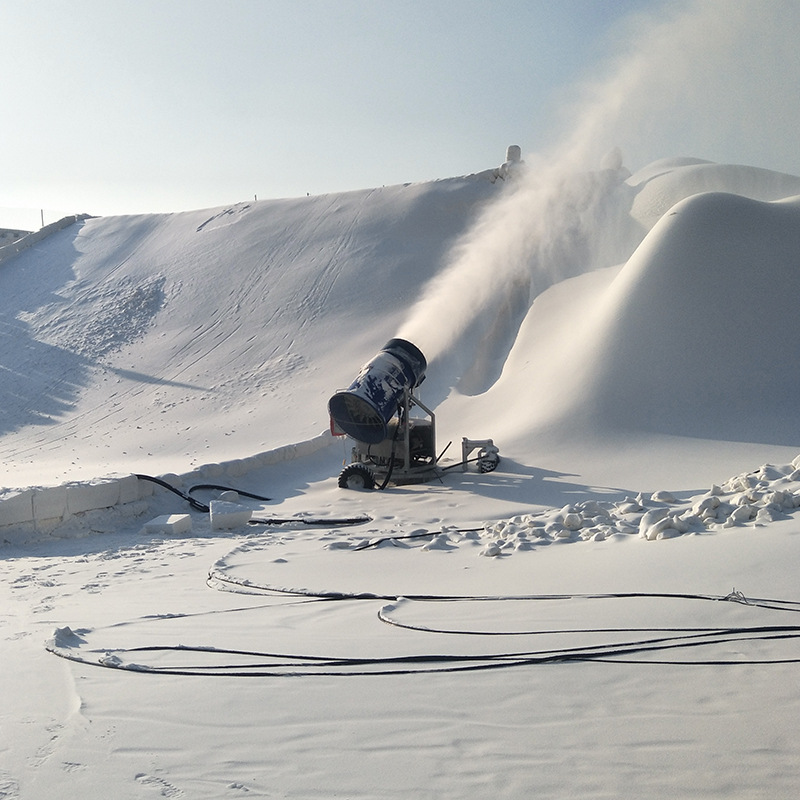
(356, 476)
(488, 459)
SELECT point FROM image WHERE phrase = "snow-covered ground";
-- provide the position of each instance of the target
(608, 614)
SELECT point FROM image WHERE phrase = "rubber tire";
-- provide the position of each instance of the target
(487, 463)
(356, 476)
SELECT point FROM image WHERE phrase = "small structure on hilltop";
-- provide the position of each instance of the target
(512, 166)
(612, 165)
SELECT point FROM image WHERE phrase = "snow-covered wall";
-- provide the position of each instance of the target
(40, 512)
(9, 235)
(8, 251)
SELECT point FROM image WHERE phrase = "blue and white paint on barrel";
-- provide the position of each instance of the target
(364, 409)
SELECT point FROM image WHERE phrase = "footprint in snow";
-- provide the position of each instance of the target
(9, 788)
(164, 788)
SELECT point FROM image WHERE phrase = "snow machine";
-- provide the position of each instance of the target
(393, 442)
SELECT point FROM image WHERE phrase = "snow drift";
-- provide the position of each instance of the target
(695, 330)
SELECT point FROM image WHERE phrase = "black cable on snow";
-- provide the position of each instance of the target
(736, 597)
(287, 664)
(316, 522)
(187, 495)
(195, 504)
(404, 537)
(198, 506)
(241, 492)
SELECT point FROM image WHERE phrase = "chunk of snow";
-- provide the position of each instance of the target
(225, 515)
(169, 524)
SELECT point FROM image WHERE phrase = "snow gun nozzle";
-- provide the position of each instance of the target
(364, 409)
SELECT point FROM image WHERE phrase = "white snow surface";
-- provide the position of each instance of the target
(609, 614)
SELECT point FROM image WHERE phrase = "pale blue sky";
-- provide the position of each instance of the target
(166, 105)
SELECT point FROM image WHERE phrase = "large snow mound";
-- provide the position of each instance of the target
(662, 184)
(659, 305)
(696, 330)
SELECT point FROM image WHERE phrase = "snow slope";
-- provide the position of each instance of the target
(161, 343)
(157, 343)
(608, 614)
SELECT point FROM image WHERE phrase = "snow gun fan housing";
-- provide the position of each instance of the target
(375, 410)
(364, 409)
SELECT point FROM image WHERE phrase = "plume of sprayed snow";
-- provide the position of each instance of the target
(541, 230)
(705, 78)
(693, 82)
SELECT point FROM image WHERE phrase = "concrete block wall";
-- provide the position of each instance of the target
(35, 513)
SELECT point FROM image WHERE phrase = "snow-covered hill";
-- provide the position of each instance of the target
(158, 343)
(608, 614)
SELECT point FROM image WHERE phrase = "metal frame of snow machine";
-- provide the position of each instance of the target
(406, 455)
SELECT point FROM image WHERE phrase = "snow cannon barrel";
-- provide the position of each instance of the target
(364, 409)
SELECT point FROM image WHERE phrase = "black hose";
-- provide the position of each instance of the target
(402, 537)
(315, 522)
(636, 651)
(195, 504)
(187, 496)
(200, 486)
(391, 455)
